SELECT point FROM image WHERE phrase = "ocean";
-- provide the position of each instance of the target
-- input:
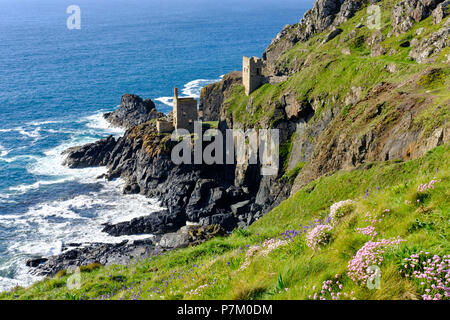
(55, 84)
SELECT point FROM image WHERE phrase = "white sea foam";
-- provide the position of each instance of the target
(40, 123)
(98, 122)
(166, 100)
(44, 227)
(33, 133)
(190, 89)
(3, 151)
(194, 88)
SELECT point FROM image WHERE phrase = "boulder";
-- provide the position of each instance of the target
(132, 112)
(89, 155)
(93, 253)
(156, 223)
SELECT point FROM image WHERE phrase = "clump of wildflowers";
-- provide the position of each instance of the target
(264, 249)
(427, 186)
(319, 236)
(196, 292)
(431, 272)
(337, 210)
(331, 290)
(373, 219)
(370, 254)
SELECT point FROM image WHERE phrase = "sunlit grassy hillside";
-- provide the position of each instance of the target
(271, 260)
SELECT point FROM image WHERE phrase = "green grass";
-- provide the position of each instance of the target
(294, 267)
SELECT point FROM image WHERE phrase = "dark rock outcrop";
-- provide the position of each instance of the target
(156, 223)
(77, 255)
(89, 155)
(133, 111)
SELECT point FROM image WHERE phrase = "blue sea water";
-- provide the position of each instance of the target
(55, 83)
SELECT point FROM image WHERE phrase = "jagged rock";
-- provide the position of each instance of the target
(225, 220)
(33, 263)
(156, 223)
(174, 240)
(441, 11)
(240, 207)
(347, 11)
(87, 254)
(414, 42)
(314, 21)
(133, 111)
(333, 34)
(377, 50)
(374, 41)
(295, 109)
(407, 12)
(89, 155)
(428, 48)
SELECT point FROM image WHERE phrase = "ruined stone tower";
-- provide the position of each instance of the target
(252, 77)
(184, 112)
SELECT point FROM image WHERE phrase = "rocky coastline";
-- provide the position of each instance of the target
(321, 132)
(205, 200)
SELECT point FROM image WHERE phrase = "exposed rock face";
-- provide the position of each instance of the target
(133, 111)
(407, 12)
(77, 255)
(213, 95)
(441, 11)
(89, 155)
(374, 42)
(324, 14)
(335, 148)
(429, 47)
(198, 193)
(156, 223)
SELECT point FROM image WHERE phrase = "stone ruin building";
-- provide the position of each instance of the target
(185, 113)
(252, 77)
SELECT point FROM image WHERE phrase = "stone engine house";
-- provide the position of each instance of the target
(185, 113)
(252, 77)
